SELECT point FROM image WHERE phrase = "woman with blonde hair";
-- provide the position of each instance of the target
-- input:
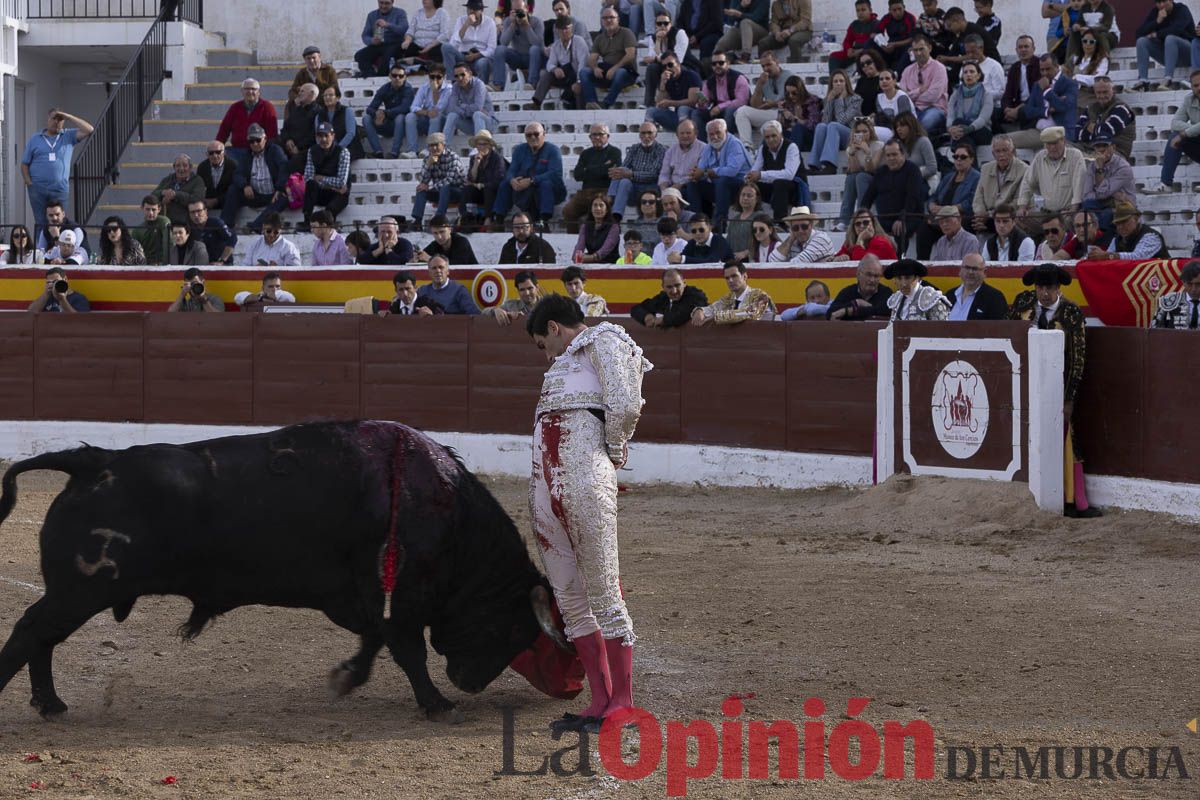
(862, 159)
(865, 235)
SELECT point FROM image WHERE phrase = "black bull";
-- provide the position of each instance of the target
(300, 518)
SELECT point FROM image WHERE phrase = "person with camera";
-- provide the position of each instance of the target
(192, 295)
(272, 294)
(58, 296)
(520, 35)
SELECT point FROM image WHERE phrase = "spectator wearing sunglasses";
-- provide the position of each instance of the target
(534, 181)
(806, 243)
(955, 190)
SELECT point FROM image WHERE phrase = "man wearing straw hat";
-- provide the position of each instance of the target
(806, 243)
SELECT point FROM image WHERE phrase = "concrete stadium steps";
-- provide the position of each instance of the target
(386, 186)
(275, 91)
(231, 57)
(238, 73)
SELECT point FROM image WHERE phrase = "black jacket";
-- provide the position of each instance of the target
(846, 297)
(712, 15)
(673, 315)
(205, 173)
(459, 253)
(420, 302)
(538, 251)
(715, 252)
(988, 303)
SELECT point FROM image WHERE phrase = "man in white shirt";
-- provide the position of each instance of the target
(775, 171)
(272, 294)
(271, 249)
(67, 250)
(994, 79)
(669, 249)
(473, 40)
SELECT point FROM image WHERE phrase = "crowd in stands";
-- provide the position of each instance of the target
(913, 100)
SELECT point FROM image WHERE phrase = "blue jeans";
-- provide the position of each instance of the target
(854, 189)
(828, 140)
(506, 57)
(933, 120)
(39, 196)
(669, 118)
(537, 57)
(416, 125)
(1104, 215)
(802, 136)
(588, 82)
(1170, 162)
(392, 126)
(620, 191)
(719, 192)
(1169, 52)
(482, 67)
(444, 196)
(477, 122)
(538, 199)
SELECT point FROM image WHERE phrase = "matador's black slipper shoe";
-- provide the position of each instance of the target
(568, 722)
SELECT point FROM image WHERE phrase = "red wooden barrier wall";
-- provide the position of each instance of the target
(798, 386)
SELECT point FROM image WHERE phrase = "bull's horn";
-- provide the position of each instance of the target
(541, 609)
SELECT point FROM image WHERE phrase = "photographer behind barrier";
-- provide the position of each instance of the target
(193, 296)
(59, 296)
(272, 294)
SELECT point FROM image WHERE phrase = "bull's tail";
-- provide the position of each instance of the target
(82, 460)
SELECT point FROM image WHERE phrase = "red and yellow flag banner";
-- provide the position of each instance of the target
(1126, 292)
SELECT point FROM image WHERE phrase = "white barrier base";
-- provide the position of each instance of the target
(499, 454)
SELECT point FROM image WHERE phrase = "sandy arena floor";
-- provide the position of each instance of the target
(952, 602)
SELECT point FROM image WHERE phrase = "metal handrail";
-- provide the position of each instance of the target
(95, 166)
(110, 9)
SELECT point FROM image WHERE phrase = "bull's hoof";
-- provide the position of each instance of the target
(49, 709)
(450, 716)
(341, 680)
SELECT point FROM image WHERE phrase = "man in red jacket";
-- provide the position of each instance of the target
(251, 110)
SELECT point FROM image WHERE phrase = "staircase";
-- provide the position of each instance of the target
(187, 126)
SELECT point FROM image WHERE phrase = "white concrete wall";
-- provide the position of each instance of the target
(279, 34)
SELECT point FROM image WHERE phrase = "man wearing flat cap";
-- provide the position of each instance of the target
(1107, 181)
(955, 241)
(1045, 307)
(1056, 174)
(313, 71)
(1134, 241)
(913, 299)
(1181, 310)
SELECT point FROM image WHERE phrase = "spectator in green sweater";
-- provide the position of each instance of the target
(154, 234)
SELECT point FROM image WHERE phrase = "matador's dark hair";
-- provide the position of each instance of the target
(553, 307)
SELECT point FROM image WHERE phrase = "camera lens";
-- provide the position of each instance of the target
(60, 287)
(197, 289)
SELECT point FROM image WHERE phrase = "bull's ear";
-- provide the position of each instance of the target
(540, 599)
